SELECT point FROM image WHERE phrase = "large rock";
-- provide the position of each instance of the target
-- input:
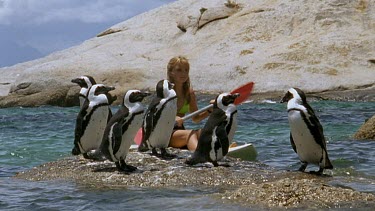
(367, 130)
(314, 45)
(251, 185)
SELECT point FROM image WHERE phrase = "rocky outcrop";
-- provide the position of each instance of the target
(318, 46)
(195, 22)
(249, 184)
(367, 130)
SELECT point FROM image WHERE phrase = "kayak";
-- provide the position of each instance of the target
(244, 152)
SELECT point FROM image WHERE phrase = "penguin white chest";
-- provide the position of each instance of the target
(307, 148)
(93, 134)
(128, 136)
(161, 134)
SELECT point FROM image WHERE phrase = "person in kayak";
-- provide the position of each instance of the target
(178, 74)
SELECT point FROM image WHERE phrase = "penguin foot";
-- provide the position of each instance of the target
(166, 155)
(225, 164)
(123, 167)
(143, 147)
(95, 155)
(154, 152)
(85, 156)
(128, 168)
(303, 167)
(75, 151)
(195, 164)
(191, 161)
(318, 173)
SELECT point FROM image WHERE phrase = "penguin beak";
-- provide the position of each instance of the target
(235, 95)
(76, 80)
(109, 88)
(142, 95)
(145, 94)
(230, 98)
(106, 90)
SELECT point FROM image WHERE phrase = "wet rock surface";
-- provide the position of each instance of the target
(367, 130)
(249, 184)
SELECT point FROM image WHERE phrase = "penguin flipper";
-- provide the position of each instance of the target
(146, 129)
(143, 146)
(110, 114)
(316, 128)
(327, 164)
(147, 125)
(223, 140)
(292, 143)
(116, 138)
(317, 131)
(79, 128)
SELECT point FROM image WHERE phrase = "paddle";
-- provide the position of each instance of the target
(244, 91)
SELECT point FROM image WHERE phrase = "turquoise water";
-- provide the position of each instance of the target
(33, 136)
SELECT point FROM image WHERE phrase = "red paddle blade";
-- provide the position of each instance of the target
(138, 137)
(244, 91)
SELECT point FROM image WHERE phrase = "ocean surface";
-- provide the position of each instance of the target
(32, 136)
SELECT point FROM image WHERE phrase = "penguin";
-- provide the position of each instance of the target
(121, 129)
(306, 132)
(218, 132)
(159, 120)
(91, 121)
(85, 82)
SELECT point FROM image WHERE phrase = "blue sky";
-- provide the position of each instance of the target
(30, 29)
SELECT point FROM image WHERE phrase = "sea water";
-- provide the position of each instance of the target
(33, 136)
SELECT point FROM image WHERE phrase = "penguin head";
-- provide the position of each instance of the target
(100, 92)
(295, 94)
(134, 96)
(225, 99)
(84, 81)
(164, 89)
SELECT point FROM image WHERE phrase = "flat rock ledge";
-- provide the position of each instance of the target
(244, 183)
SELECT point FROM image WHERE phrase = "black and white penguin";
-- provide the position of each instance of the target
(92, 120)
(159, 120)
(217, 134)
(121, 129)
(85, 82)
(306, 132)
